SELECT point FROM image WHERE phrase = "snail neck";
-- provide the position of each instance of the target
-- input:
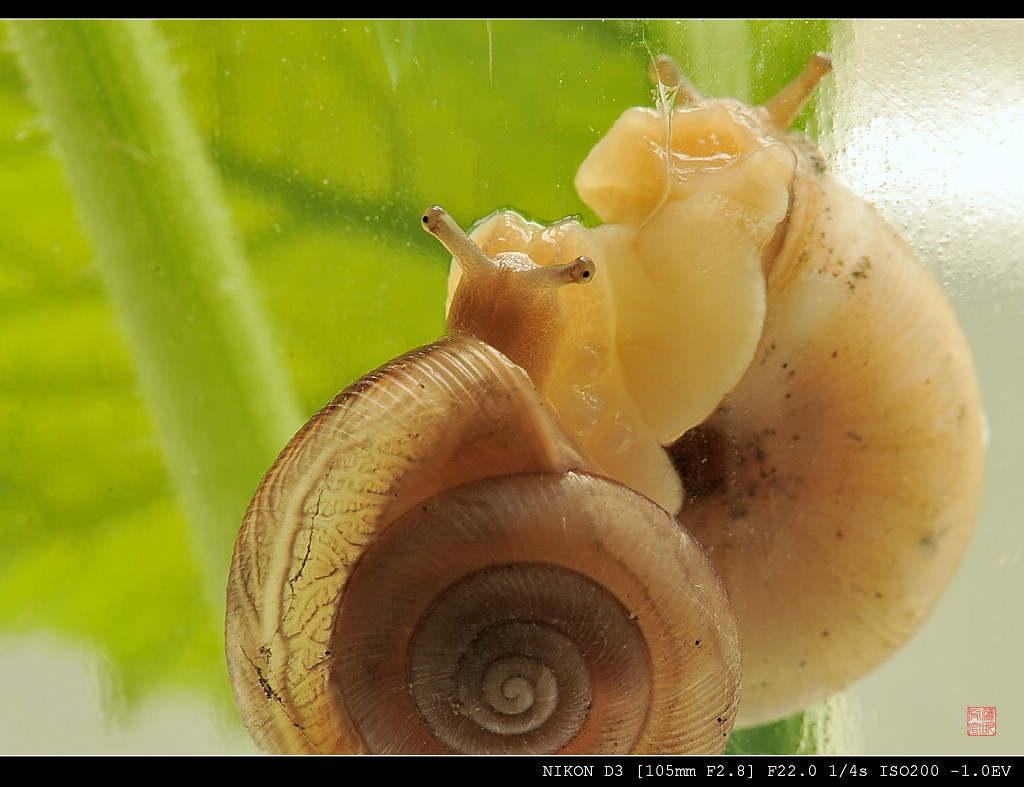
(508, 301)
(515, 307)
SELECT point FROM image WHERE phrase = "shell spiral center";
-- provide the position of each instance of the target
(499, 661)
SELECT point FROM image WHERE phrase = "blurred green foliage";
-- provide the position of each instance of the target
(330, 138)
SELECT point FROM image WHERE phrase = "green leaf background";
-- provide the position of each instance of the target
(328, 140)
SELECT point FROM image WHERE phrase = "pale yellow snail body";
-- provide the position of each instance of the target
(808, 377)
(758, 353)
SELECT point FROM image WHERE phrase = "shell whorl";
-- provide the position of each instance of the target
(533, 614)
(443, 473)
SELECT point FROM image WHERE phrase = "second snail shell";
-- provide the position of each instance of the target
(758, 353)
(772, 363)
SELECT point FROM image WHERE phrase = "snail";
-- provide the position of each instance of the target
(807, 378)
(756, 356)
(431, 566)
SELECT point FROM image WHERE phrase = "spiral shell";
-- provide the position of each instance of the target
(428, 568)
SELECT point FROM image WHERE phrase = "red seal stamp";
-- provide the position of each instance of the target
(981, 721)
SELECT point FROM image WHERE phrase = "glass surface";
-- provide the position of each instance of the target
(330, 139)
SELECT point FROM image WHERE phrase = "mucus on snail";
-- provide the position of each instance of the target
(758, 371)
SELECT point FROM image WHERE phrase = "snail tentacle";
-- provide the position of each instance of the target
(783, 107)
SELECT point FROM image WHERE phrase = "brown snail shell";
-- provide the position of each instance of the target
(428, 568)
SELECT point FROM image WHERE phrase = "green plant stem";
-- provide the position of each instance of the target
(152, 204)
(827, 727)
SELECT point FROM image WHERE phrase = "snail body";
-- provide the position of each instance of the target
(757, 359)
